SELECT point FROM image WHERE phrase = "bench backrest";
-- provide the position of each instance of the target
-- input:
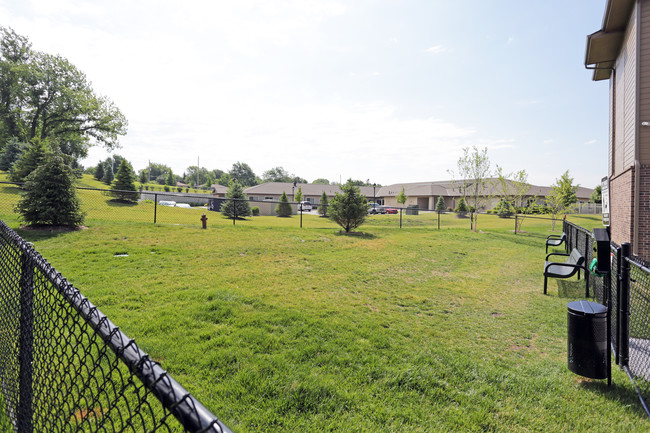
(576, 258)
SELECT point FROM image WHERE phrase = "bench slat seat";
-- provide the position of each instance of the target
(573, 264)
(555, 241)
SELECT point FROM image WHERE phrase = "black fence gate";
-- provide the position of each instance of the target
(64, 366)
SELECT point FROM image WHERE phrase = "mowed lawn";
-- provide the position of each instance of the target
(281, 329)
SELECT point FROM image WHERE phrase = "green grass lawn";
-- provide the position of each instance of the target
(281, 329)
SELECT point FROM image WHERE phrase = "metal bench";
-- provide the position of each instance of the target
(573, 264)
(555, 241)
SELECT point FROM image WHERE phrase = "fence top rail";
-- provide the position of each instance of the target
(189, 411)
(577, 227)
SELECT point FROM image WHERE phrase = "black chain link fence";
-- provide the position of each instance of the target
(65, 367)
(627, 288)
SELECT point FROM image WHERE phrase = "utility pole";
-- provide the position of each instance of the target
(198, 168)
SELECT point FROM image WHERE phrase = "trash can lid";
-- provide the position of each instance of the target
(586, 308)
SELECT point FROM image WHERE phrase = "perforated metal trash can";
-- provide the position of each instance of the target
(587, 339)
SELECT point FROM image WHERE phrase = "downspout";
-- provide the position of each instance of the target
(637, 134)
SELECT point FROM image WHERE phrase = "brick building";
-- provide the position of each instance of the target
(620, 52)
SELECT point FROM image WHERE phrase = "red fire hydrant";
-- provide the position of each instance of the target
(204, 220)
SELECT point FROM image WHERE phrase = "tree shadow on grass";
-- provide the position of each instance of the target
(37, 233)
(361, 235)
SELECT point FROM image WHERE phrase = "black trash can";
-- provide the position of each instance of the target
(587, 339)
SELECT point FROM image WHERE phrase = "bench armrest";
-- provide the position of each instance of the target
(556, 254)
(554, 237)
(567, 265)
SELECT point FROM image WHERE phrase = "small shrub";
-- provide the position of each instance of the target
(461, 208)
(147, 201)
(255, 210)
(187, 190)
(146, 187)
(179, 189)
(167, 188)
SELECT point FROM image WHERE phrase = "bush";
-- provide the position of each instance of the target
(461, 208)
(283, 209)
(504, 209)
(167, 188)
(179, 189)
(255, 211)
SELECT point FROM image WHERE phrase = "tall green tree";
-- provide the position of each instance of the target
(34, 156)
(11, 153)
(349, 208)
(109, 174)
(44, 96)
(322, 206)
(566, 190)
(277, 174)
(242, 173)
(236, 204)
(99, 171)
(283, 209)
(170, 179)
(49, 195)
(124, 183)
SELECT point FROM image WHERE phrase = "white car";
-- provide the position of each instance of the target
(305, 205)
(375, 208)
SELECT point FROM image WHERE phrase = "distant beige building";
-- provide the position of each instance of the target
(425, 195)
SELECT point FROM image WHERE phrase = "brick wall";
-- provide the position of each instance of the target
(621, 194)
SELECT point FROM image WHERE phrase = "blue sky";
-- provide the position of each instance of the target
(385, 90)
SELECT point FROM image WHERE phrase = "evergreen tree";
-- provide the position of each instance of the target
(108, 172)
(461, 208)
(236, 208)
(49, 195)
(349, 209)
(34, 156)
(504, 208)
(283, 209)
(440, 204)
(99, 171)
(11, 153)
(170, 180)
(322, 206)
(298, 195)
(125, 181)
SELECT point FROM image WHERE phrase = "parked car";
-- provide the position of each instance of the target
(376, 208)
(391, 210)
(306, 206)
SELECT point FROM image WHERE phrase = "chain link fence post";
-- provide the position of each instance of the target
(26, 344)
(624, 305)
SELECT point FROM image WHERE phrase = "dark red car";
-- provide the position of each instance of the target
(391, 210)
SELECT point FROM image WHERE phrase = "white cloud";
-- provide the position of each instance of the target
(591, 142)
(436, 49)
